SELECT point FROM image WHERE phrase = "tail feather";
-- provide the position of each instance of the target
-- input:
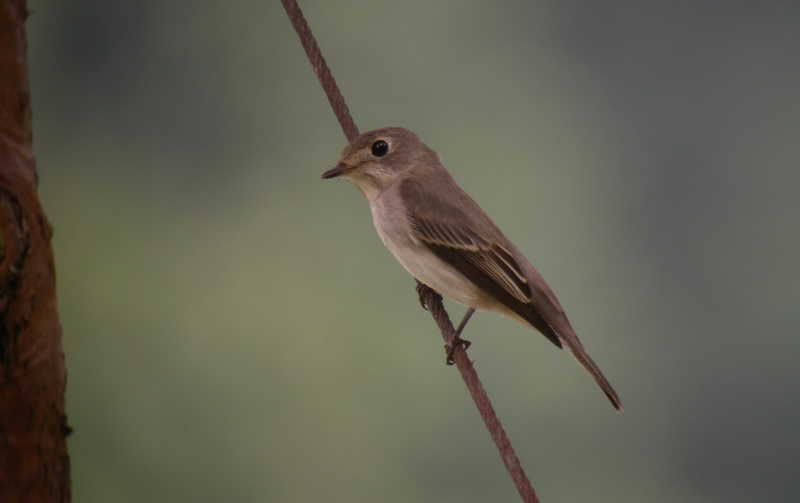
(587, 363)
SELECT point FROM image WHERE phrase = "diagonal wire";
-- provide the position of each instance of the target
(428, 297)
(433, 301)
(321, 69)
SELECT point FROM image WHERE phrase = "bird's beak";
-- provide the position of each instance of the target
(335, 171)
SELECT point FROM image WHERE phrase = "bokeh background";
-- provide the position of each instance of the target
(235, 330)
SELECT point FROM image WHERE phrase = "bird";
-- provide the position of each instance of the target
(443, 238)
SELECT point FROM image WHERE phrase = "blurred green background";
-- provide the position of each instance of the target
(235, 330)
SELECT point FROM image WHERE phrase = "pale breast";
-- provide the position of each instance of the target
(393, 227)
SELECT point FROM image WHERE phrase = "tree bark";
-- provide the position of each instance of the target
(34, 465)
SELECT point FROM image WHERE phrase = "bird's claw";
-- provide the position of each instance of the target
(451, 346)
(422, 290)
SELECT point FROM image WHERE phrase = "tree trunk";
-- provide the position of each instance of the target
(34, 465)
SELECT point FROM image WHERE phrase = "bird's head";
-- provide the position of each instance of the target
(376, 159)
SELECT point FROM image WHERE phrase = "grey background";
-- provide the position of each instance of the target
(235, 331)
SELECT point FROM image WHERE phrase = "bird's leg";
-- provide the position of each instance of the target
(424, 291)
(456, 341)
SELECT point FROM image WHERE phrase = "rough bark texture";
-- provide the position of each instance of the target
(34, 465)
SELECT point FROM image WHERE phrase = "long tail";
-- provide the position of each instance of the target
(587, 363)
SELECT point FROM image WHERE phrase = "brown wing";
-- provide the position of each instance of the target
(482, 256)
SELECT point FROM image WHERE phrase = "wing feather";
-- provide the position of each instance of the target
(484, 259)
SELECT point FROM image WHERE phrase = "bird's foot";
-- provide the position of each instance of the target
(423, 290)
(451, 346)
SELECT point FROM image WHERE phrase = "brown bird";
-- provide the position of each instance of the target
(445, 240)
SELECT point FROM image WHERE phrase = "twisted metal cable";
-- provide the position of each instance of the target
(430, 299)
(321, 69)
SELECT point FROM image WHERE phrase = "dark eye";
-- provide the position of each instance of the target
(380, 148)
